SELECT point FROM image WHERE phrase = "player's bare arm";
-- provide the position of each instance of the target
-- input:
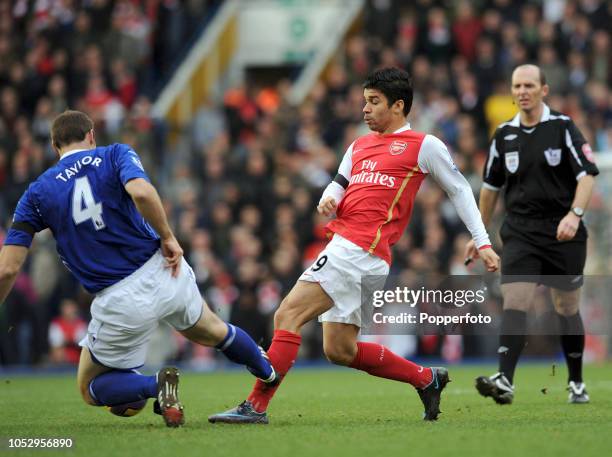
(487, 202)
(11, 260)
(150, 206)
(568, 226)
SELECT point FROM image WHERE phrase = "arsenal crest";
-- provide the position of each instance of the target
(512, 161)
(553, 156)
(397, 147)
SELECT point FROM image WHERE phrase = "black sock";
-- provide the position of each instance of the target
(511, 341)
(572, 342)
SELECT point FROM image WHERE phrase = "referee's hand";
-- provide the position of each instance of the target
(568, 227)
(327, 207)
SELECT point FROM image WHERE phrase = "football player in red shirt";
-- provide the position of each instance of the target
(372, 197)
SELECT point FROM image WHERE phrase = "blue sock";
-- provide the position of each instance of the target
(118, 387)
(240, 348)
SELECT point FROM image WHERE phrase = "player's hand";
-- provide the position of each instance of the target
(568, 227)
(327, 207)
(490, 259)
(470, 253)
(173, 253)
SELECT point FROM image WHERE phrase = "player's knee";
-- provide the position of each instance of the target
(565, 306)
(213, 331)
(85, 395)
(516, 304)
(339, 354)
(208, 331)
(288, 316)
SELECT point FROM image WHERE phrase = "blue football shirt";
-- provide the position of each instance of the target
(101, 237)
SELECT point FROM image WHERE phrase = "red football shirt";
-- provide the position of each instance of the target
(385, 178)
(384, 173)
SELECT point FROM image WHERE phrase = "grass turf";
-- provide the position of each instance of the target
(324, 413)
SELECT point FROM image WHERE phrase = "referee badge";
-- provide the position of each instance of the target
(588, 152)
(512, 161)
(553, 156)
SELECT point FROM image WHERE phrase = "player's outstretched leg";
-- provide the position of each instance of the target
(282, 352)
(233, 342)
(240, 348)
(342, 348)
(305, 301)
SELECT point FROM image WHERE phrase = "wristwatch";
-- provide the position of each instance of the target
(578, 211)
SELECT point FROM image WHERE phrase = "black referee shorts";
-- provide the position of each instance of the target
(531, 253)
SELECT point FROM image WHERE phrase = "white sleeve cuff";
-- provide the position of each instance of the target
(334, 190)
(581, 175)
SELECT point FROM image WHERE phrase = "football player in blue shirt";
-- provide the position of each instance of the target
(113, 235)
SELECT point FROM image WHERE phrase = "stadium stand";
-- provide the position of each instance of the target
(242, 183)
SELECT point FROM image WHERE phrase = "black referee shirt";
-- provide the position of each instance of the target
(538, 166)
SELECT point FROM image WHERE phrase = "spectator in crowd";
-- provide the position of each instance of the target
(239, 184)
(65, 332)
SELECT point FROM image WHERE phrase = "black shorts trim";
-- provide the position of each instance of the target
(562, 282)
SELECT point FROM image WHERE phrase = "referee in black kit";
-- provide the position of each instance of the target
(546, 170)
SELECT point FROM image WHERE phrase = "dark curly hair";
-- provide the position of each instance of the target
(394, 83)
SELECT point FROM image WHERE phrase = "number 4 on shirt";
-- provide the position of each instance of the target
(84, 207)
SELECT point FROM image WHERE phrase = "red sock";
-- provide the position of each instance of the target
(282, 352)
(377, 360)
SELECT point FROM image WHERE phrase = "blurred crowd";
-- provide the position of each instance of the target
(241, 184)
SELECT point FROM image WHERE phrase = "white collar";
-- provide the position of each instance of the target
(545, 113)
(516, 121)
(69, 153)
(404, 128)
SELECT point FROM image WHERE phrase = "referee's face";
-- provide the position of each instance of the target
(527, 90)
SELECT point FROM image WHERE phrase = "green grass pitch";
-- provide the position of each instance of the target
(325, 413)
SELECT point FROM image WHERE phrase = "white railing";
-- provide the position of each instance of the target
(191, 81)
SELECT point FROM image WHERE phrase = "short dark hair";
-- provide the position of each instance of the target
(70, 127)
(394, 83)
